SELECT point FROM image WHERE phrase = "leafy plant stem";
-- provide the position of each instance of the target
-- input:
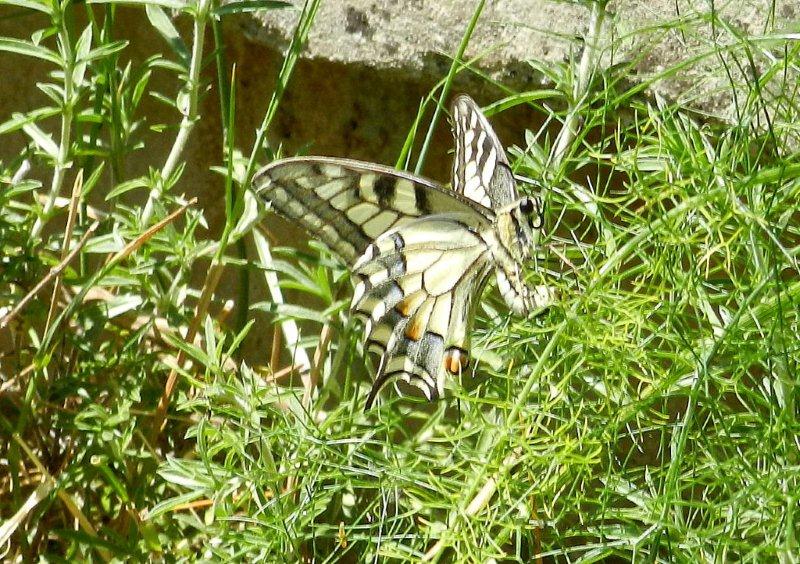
(62, 160)
(190, 111)
(581, 85)
(54, 272)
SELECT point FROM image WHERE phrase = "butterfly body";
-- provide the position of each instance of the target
(420, 254)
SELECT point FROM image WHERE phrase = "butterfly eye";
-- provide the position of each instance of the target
(527, 206)
(532, 208)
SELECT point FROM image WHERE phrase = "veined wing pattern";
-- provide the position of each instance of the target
(420, 254)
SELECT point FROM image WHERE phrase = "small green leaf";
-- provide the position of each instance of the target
(91, 182)
(190, 350)
(248, 216)
(53, 91)
(210, 337)
(162, 98)
(159, 19)
(169, 4)
(18, 121)
(104, 244)
(172, 503)
(118, 305)
(140, 88)
(105, 50)
(31, 5)
(240, 337)
(29, 49)
(127, 186)
(42, 140)
(245, 6)
(519, 99)
(82, 48)
(291, 311)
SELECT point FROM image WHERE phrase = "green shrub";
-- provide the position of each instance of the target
(651, 414)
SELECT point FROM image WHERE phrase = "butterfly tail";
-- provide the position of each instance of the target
(381, 379)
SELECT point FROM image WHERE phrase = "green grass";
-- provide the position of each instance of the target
(652, 414)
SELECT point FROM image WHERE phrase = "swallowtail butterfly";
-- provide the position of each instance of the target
(420, 254)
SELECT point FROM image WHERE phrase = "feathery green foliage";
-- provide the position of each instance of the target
(651, 414)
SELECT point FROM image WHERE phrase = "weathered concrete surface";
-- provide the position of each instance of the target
(419, 36)
(712, 43)
(415, 38)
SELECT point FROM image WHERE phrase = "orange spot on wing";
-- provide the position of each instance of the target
(404, 306)
(456, 361)
(414, 329)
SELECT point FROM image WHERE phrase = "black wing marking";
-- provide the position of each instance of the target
(347, 203)
(481, 171)
(415, 291)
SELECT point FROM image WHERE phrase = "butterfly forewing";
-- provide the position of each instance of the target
(347, 204)
(481, 171)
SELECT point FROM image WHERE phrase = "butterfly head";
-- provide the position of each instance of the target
(518, 226)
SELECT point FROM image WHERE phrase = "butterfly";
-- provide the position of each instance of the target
(420, 254)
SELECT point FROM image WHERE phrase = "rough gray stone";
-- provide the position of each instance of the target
(420, 36)
(417, 38)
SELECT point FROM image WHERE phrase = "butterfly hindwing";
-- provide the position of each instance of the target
(415, 290)
(481, 171)
(347, 204)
